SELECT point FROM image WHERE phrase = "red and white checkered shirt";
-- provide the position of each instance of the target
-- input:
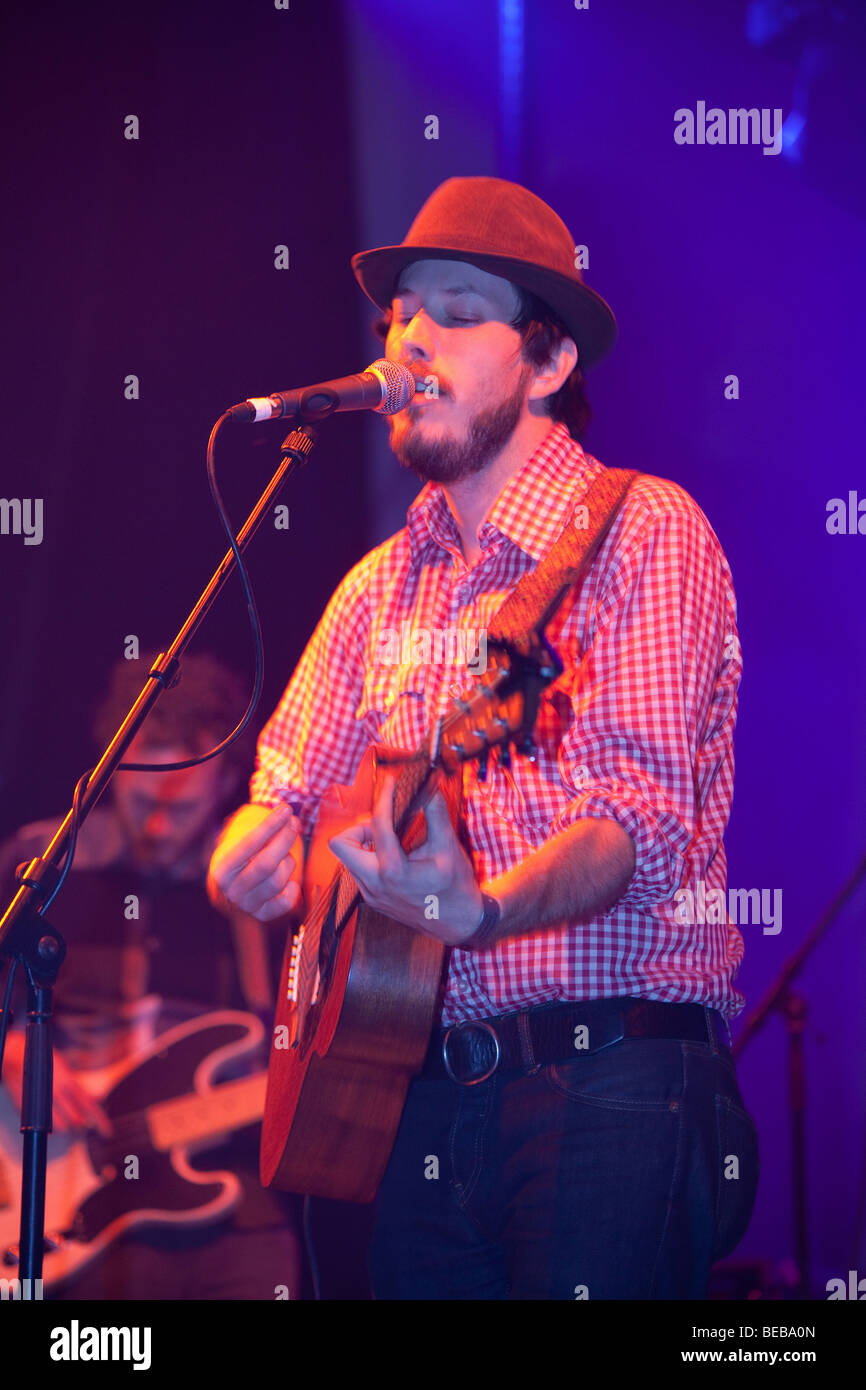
(638, 728)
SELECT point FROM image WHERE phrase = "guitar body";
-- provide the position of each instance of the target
(334, 1101)
(359, 993)
(164, 1104)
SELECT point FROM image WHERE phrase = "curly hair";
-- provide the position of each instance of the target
(541, 331)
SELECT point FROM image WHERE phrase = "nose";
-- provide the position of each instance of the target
(158, 825)
(416, 338)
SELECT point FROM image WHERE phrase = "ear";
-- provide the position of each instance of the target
(550, 376)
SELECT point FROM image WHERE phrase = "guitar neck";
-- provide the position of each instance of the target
(191, 1118)
(414, 788)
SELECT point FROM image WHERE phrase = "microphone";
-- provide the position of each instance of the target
(385, 387)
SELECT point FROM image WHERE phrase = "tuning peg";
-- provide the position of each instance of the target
(482, 765)
(505, 755)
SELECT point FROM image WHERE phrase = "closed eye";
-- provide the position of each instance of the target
(401, 321)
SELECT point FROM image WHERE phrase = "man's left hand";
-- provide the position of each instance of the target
(433, 889)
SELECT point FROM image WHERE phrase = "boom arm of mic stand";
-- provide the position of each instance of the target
(792, 1006)
(25, 934)
(164, 672)
(795, 962)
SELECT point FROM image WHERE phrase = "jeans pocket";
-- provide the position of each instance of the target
(739, 1169)
(632, 1074)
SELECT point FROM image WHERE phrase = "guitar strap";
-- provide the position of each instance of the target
(536, 597)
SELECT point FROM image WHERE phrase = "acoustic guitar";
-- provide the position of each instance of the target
(359, 992)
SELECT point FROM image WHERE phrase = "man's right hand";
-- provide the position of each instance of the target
(258, 863)
(74, 1107)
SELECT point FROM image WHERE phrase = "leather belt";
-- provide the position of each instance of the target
(471, 1051)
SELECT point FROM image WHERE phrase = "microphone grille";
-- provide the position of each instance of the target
(398, 385)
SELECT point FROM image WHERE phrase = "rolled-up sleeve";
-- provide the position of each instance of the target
(654, 696)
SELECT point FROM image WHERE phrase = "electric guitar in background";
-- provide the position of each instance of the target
(165, 1104)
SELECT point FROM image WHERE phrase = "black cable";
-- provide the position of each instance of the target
(80, 788)
(252, 613)
(310, 1250)
(255, 624)
(7, 1002)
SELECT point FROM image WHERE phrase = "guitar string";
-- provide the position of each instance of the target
(314, 954)
(323, 906)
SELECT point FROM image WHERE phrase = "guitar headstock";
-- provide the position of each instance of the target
(500, 709)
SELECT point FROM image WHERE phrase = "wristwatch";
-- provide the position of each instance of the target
(486, 929)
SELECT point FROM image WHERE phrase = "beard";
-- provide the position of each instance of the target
(449, 459)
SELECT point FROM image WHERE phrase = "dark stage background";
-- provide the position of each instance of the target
(309, 128)
(155, 257)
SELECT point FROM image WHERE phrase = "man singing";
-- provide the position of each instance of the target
(585, 1149)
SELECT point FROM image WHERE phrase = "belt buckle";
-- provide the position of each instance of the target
(471, 1023)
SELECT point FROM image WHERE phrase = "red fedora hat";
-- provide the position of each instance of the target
(508, 231)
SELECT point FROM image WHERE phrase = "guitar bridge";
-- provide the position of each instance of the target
(293, 973)
(301, 1007)
(292, 977)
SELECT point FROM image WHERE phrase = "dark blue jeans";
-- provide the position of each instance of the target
(622, 1174)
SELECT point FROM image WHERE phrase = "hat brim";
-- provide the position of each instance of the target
(588, 317)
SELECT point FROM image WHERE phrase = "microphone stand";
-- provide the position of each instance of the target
(792, 1006)
(26, 937)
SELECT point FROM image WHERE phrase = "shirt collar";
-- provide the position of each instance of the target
(530, 511)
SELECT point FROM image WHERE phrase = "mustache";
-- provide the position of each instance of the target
(423, 380)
